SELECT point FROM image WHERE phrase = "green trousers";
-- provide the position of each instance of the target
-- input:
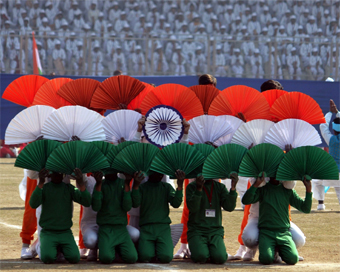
(50, 240)
(271, 240)
(155, 240)
(203, 247)
(112, 238)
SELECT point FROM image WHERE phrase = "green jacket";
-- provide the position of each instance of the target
(154, 199)
(112, 203)
(274, 202)
(198, 203)
(57, 206)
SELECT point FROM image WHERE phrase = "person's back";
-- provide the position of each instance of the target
(56, 200)
(155, 234)
(112, 199)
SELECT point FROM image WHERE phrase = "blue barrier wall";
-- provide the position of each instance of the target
(321, 91)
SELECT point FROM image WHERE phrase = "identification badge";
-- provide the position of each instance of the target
(209, 213)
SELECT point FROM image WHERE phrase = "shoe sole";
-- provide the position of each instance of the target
(26, 258)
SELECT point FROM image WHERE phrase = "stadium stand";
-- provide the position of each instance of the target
(291, 39)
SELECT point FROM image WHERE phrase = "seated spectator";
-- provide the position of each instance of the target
(58, 20)
(160, 64)
(229, 17)
(292, 26)
(78, 21)
(100, 25)
(93, 13)
(121, 22)
(72, 10)
(179, 61)
(79, 63)
(14, 56)
(199, 62)
(265, 17)
(138, 61)
(179, 22)
(285, 19)
(114, 13)
(315, 63)
(207, 14)
(34, 11)
(273, 27)
(97, 60)
(51, 12)
(237, 63)
(254, 27)
(293, 63)
(311, 26)
(16, 12)
(190, 14)
(256, 64)
(119, 61)
(23, 15)
(195, 24)
(298, 8)
(26, 29)
(59, 57)
(220, 65)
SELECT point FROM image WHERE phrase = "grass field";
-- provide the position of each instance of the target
(321, 251)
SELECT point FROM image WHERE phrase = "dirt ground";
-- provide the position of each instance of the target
(321, 251)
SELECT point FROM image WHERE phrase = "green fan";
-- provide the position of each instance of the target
(114, 152)
(177, 156)
(206, 150)
(307, 161)
(106, 148)
(76, 154)
(261, 158)
(34, 155)
(136, 157)
(225, 160)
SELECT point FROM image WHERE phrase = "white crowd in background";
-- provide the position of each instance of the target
(291, 39)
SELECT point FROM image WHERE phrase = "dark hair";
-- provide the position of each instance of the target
(270, 85)
(336, 120)
(117, 73)
(207, 79)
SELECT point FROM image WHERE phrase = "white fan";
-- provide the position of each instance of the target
(293, 131)
(234, 123)
(70, 121)
(26, 126)
(121, 124)
(208, 128)
(252, 132)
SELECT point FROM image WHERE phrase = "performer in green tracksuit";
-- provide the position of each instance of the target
(56, 199)
(205, 230)
(274, 220)
(112, 200)
(155, 234)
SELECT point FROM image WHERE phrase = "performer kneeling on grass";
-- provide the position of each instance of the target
(155, 233)
(112, 199)
(205, 230)
(56, 216)
(274, 221)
